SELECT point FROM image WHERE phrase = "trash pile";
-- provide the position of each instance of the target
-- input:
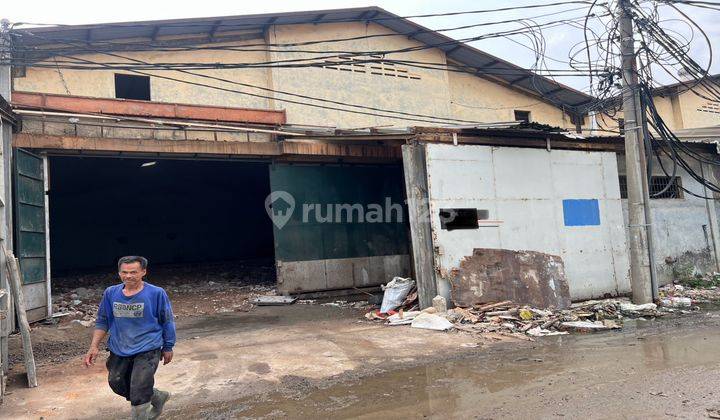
(677, 295)
(506, 317)
(400, 307)
(400, 294)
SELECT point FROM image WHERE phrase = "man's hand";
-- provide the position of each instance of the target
(167, 357)
(90, 356)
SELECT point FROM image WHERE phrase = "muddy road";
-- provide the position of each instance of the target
(313, 361)
(652, 369)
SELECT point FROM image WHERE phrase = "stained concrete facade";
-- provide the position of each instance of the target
(685, 230)
(525, 192)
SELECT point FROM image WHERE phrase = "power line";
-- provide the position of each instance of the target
(254, 86)
(265, 46)
(421, 117)
(315, 14)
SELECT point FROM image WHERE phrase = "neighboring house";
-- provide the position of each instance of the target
(684, 224)
(682, 108)
(679, 106)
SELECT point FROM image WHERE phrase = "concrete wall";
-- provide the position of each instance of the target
(698, 111)
(425, 93)
(682, 228)
(411, 90)
(480, 99)
(525, 189)
(101, 83)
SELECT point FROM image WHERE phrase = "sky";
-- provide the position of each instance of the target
(559, 41)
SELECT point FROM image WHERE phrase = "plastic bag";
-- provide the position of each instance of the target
(395, 293)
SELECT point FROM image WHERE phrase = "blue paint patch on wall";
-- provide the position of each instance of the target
(581, 212)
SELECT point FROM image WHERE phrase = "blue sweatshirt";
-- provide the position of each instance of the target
(138, 323)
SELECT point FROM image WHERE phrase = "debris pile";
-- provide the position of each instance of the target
(677, 295)
(507, 318)
(407, 304)
(78, 304)
(194, 289)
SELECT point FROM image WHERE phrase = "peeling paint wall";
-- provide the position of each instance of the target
(524, 189)
(101, 84)
(424, 91)
(437, 93)
(480, 99)
(685, 231)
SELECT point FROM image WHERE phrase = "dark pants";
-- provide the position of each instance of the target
(133, 377)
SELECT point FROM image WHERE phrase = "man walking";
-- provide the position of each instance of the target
(139, 319)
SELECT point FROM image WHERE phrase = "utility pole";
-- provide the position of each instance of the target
(640, 278)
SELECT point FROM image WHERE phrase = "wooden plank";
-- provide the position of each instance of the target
(15, 282)
(137, 108)
(310, 147)
(3, 315)
(48, 142)
(416, 186)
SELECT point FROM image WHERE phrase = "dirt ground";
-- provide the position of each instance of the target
(239, 354)
(312, 361)
(234, 360)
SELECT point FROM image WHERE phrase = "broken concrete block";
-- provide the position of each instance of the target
(431, 322)
(402, 318)
(584, 326)
(677, 302)
(523, 277)
(540, 332)
(631, 308)
(440, 304)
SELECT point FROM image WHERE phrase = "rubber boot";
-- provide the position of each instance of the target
(158, 401)
(140, 412)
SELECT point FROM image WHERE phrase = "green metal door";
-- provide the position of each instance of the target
(30, 230)
(338, 226)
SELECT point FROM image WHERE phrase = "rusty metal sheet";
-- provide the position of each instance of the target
(525, 277)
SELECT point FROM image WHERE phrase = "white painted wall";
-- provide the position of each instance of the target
(524, 188)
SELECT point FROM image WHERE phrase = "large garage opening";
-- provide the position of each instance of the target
(195, 221)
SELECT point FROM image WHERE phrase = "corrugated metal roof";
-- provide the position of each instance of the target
(217, 28)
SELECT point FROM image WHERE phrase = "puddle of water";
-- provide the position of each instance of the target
(497, 377)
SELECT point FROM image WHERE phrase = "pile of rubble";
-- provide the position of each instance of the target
(507, 318)
(79, 304)
(594, 315)
(194, 289)
(678, 295)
